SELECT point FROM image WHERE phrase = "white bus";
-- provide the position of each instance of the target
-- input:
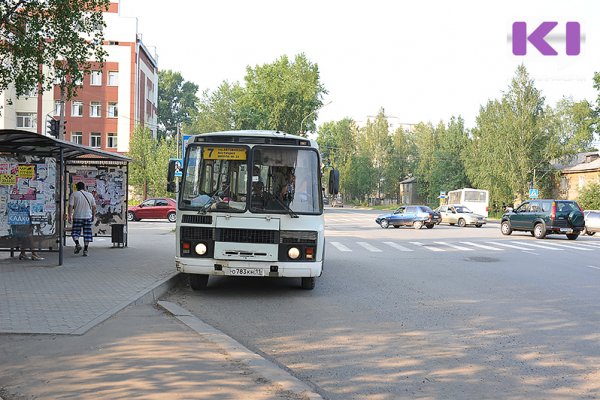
(477, 200)
(250, 204)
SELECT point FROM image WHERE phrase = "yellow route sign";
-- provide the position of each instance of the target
(8, 179)
(224, 153)
(26, 171)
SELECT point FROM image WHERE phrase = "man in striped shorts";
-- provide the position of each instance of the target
(82, 208)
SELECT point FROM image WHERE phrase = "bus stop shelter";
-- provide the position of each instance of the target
(37, 174)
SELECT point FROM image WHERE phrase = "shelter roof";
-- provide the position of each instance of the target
(25, 142)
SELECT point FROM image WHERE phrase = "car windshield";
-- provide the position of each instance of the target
(462, 210)
(219, 178)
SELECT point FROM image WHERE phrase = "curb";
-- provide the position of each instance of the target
(149, 296)
(258, 364)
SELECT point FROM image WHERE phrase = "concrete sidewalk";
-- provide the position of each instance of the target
(91, 329)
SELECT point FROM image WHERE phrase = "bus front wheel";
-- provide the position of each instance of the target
(198, 281)
(308, 282)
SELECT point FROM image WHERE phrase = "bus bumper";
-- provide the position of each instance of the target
(244, 268)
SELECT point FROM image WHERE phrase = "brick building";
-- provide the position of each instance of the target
(110, 103)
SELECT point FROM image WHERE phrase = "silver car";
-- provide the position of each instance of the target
(592, 222)
(457, 214)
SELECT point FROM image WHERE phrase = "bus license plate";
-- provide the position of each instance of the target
(246, 271)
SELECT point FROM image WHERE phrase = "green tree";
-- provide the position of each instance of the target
(358, 176)
(37, 33)
(281, 96)
(157, 178)
(448, 169)
(142, 153)
(217, 110)
(425, 143)
(510, 142)
(177, 100)
(589, 197)
(377, 143)
(401, 161)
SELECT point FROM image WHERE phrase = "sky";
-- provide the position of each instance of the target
(421, 61)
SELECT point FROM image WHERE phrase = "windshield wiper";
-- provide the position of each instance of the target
(289, 210)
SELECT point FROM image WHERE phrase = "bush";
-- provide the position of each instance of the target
(589, 197)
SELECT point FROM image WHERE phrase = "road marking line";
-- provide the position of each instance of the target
(591, 266)
(483, 246)
(454, 246)
(571, 246)
(512, 246)
(397, 246)
(592, 245)
(340, 246)
(541, 246)
(369, 247)
(426, 247)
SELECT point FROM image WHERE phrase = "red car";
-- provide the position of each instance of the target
(159, 208)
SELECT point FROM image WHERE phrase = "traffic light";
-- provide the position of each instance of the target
(64, 128)
(53, 127)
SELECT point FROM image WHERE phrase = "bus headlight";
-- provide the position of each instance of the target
(293, 253)
(200, 249)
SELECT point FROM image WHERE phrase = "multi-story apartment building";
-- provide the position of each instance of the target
(111, 102)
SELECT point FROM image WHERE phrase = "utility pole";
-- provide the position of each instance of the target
(61, 124)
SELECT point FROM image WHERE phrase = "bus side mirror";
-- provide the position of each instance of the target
(334, 181)
(171, 187)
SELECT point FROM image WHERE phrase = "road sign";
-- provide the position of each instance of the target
(184, 139)
(178, 166)
(533, 193)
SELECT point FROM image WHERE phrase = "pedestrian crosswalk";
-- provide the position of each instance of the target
(447, 246)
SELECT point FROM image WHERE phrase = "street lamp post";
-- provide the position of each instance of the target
(311, 113)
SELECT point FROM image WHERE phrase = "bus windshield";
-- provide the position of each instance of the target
(261, 179)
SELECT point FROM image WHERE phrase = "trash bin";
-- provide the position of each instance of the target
(118, 235)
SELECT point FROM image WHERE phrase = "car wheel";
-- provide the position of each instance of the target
(384, 223)
(590, 233)
(462, 223)
(539, 231)
(172, 217)
(572, 236)
(398, 226)
(505, 228)
(130, 216)
(308, 282)
(430, 226)
(198, 281)
(417, 224)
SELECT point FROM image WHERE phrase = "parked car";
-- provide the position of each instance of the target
(544, 217)
(457, 214)
(592, 222)
(415, 216)
(159, 208)
(325, 200)
(337, 202)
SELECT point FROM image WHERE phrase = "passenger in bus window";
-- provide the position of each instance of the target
(287, 191)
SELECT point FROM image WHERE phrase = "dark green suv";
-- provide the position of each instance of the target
(544, 217)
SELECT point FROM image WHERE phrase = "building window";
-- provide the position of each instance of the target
(95, 139)
(113, 78)
(111, 140)
(96, 78)
(26, 120)
(77, 109)
(95, 109)
(30, 93)
(58, 107)
(77, 137)
(113, 110)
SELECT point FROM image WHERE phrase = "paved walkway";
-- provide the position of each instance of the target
(40, 297)
(87, 343)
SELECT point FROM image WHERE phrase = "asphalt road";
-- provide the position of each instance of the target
(442, 313)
